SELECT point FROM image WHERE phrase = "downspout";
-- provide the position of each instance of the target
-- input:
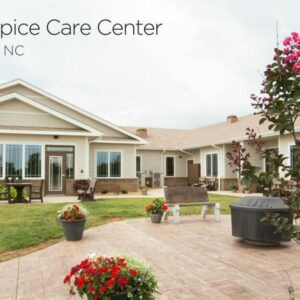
(222, 168)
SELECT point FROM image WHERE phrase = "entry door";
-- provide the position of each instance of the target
(56, 180)
(193, 172)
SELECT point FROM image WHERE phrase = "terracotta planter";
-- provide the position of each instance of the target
(156, 218)
(73, 230)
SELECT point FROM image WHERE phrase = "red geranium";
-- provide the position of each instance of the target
(101, 277)
(158, 206)
(71, 213)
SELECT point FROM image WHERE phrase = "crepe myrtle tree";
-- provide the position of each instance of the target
(279, 104)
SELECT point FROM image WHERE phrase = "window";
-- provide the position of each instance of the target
(170, 166)
(70, 165)
(115, 164)
(33, 162)
(1, 160)
(108, 164)
(269, 166)
(212, 165)
(13, 161)
(138, 164)
(295, 156)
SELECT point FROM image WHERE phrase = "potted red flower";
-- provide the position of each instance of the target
(156, 210)
(112, 278)
(72, 219)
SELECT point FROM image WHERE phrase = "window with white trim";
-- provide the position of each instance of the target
(108, 164)
(212, 165)
(170, 166)
(138, 164)
(1, 160)
(13, 165)
(21, 161)
(33, 161)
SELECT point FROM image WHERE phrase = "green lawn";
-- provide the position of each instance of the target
(25, 225)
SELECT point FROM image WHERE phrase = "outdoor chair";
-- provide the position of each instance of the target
(5, 193)
(201, 183)
(85, 195)
(211, 183)
(177, 197)
(36, 192)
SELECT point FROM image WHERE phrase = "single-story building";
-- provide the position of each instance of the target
(45, 137)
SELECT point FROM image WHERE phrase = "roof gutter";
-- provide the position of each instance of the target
(183, 151)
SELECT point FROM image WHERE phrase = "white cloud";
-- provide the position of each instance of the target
(202, 67)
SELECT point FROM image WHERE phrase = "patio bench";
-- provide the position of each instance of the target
(177, 197)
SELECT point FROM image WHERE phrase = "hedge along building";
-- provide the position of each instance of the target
(44, 137)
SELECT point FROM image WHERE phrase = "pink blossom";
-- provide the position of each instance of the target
(298, 53)
(295, 36)
(287, 41)
(296, 68)
(292, 57)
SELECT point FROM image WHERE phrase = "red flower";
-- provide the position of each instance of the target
(102, 289)
(66, 213)
(72, 218)
(90, 288)
(79, 215)
(80, 282)
(109, 282)
(122, 282)
(165, 207)
(67, 278)
(113, 275)
(148, 207)
(132, 272)
(76, 207)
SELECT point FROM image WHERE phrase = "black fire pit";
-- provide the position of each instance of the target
(246, 216)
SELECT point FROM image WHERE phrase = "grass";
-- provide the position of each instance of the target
(26, 225)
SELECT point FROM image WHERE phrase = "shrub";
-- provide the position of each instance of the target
(124, 191)
(104, 191)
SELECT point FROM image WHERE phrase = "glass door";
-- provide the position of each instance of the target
(55, 173)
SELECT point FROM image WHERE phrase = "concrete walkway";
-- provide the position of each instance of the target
(192, 260)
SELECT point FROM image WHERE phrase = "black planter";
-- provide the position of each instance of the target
(156, 218)
(122, 296)
(246, 216)
(73, 230)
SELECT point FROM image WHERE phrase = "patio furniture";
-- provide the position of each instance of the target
(177, 197)
(36, 192)
(5, 193)
(246, 215)
(211, 183)
(85, 195)
(19, 186)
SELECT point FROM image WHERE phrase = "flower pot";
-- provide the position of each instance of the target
(73, 230)
(122, 296)
(156, 218)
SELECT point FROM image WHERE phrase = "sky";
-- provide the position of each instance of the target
(206, 61)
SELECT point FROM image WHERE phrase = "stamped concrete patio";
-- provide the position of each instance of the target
(192, 260)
